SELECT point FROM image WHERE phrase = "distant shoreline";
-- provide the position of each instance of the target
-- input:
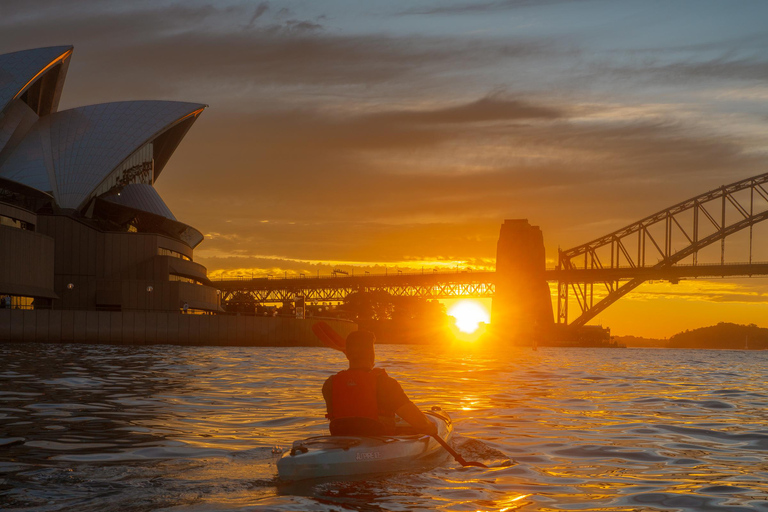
(723, 336)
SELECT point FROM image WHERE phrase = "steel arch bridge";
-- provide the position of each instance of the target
(653, 247)
(596, 274)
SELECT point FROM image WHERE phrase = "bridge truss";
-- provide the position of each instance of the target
(602, 271)
(335, 289)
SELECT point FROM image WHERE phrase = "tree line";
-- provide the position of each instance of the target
(723, 336)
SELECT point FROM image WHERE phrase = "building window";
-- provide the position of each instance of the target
(192, 311)
(174, 277)
(16, 302)
(16, 223)
(162, 251)
(137, 168)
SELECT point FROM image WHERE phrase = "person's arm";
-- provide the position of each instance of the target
(410, 413)
(327, 393)
(393, 398)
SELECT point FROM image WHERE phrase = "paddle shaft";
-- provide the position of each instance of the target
(328, 336)
(455, 454)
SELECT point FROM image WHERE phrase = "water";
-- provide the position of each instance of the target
(100, 428)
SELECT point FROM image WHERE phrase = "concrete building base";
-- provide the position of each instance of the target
(152, 327)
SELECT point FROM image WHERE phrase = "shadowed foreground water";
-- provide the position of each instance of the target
(98, 428)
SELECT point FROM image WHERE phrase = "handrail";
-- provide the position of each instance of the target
(398, 274)
(478, 272)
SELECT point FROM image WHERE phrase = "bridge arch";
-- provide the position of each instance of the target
(654, 247)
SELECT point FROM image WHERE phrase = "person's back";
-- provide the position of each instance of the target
(364, 400)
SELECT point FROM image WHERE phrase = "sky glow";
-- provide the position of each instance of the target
(378, 136)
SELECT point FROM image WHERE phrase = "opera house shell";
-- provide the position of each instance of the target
(82, 227)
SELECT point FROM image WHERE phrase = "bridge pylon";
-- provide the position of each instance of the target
(522, 307)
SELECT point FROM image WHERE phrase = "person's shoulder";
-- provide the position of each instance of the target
(380, 373)
(382, 376)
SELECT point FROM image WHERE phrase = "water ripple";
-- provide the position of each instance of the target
(135, 429)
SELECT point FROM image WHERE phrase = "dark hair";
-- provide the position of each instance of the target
(358, 341)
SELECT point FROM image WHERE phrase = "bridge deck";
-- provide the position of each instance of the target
(436, 279)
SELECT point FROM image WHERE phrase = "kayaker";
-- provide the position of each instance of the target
(364, 400)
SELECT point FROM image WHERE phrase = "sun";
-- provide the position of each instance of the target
(469, 314)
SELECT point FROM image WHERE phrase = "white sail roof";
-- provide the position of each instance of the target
(19, 70)
(141, 196)
(69, 153)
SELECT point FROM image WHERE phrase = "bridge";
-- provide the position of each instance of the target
(658, 244)
(334, 289)
(590, 277)
(453, 285)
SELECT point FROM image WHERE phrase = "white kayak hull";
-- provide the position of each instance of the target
(331, 456)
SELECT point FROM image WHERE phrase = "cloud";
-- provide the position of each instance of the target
(703, 290)
(354, 241)
(689, 70)
(482, 7)
(490, 108)
(354, 135)
(722, 68)
(260, 9)
(330, 185)
(189, 51)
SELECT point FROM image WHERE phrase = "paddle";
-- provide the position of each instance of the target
(456, 455)
(328, 336)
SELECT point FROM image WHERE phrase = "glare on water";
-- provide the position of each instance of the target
(194, 428)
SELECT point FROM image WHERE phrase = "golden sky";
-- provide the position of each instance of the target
(401, 134)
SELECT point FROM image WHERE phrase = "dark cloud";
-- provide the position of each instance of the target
(91, 23)
(371, 176)
(482, 7)
(260, 9)
(730, 45)
(722, 69)
(302, 26)
(183, 51)
(688, 69)
(491, 108)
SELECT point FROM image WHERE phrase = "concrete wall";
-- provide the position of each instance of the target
(148, 327)
(113, 270)
(26, 262)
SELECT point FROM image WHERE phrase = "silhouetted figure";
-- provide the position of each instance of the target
(364, 400)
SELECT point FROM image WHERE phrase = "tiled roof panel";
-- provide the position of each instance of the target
(18, 68)
(87, 143)
(141, 196)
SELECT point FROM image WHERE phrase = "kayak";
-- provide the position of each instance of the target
(331, 456)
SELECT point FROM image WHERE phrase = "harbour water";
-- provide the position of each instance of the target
(101, 428)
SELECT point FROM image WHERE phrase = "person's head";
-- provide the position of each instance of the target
(360, 351)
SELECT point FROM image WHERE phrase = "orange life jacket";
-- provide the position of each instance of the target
(353, 394)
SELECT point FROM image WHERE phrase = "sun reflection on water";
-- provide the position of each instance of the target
(589, 429)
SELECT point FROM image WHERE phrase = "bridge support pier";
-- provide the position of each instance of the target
(521, 311)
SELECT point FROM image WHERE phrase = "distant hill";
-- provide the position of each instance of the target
(722, 336)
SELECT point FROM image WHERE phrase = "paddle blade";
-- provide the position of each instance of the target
(455, 455)
(328, 336)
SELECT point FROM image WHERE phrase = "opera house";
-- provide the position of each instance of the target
(83, 226)
(88, 249)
